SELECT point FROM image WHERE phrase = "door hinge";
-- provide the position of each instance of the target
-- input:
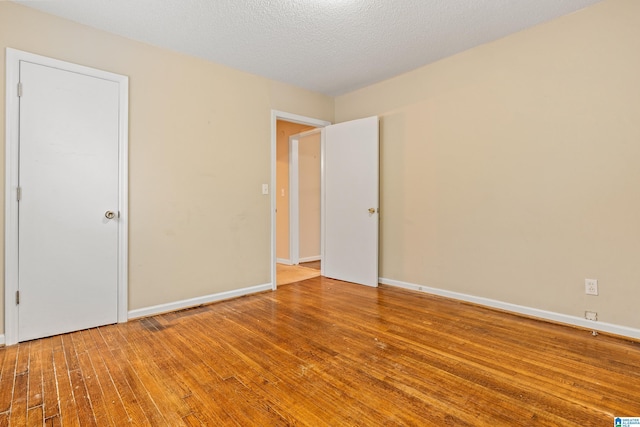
(19, 89)
(19, 193)
(17, 297)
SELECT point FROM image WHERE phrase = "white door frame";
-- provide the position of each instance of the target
(294, 118)
(294, 194)
(12, 121)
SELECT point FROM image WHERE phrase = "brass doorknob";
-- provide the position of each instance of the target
(372, 210)
(109, 214)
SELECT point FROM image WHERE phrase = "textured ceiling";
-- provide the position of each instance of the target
(328, 46)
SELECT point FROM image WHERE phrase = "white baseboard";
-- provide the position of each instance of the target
(194, 302)
(283, 261)
(311, 258)
(624, 331)
(2, 341)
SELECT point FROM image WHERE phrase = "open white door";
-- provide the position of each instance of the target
(351, 163)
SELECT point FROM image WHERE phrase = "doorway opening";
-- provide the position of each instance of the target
(349, 220)
(288, 129)
(305, 198)
(298, 203)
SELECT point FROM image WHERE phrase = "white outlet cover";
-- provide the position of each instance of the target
(591, 286)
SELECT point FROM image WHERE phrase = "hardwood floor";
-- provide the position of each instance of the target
(311, 264)
(322, 353)
(286, 274)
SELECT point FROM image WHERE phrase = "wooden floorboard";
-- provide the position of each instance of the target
(312, 264)
(323, 353)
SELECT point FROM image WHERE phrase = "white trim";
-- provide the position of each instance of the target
(323, 177)
(194, 302)
(123, 191)
(624, 331)
(10, 194)
(284, 261)
(294, 118)
(2, 339)
(13, 58)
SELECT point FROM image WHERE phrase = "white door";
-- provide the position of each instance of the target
(351, 162)
(68, 177)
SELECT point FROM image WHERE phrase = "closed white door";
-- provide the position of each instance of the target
(68, 208)
(351, 167)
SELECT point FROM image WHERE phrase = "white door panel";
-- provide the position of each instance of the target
(68, 249)
(351, 162)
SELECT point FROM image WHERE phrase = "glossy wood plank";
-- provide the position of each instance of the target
(287, 274)
(123, 359)
(69, 410)
(34, 398)
(18, 412)
(312, 264)
(323, 353)
(7, 378)
(49, 387)
(35, 416)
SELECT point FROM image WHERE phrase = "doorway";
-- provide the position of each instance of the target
(297, 192)
(350, 186)
(284, 126)
(65, 197)
(305, 188)
(305, 197)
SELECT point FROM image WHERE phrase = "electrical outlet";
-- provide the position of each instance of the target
(591, 315)
(591, 286)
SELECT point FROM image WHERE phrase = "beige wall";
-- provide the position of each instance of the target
(199, 152)
(284, 131)
(511, 171)
(309, 196)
